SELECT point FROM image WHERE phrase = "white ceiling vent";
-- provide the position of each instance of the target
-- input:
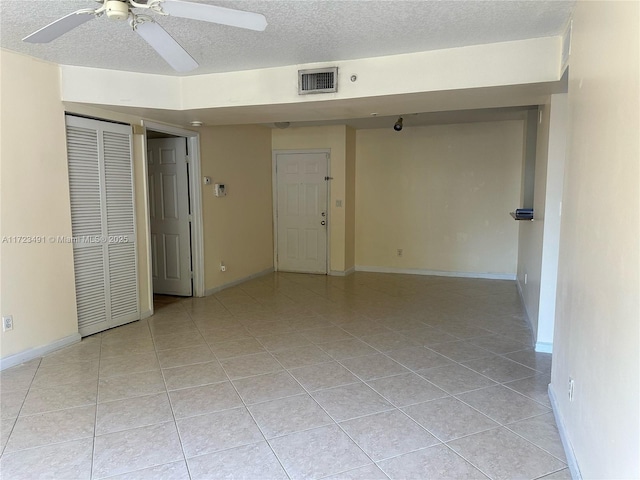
(318, 80)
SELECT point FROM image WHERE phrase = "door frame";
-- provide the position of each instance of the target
(195, 194)
(274, 189)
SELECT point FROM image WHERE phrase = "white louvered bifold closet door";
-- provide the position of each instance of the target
(103, 223)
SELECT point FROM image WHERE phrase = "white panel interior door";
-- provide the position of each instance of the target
(169, 216)
(103, 223)
(302, 212)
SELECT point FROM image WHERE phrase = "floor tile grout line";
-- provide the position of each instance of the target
(28, 391)
(95, 422)
(35, 372)
(496, 428)
(407, 416)
(43, 412)
(175, 421)
(137, 469)
(544, 475)
(505, 385)
(527, 396)
(459, 364)
(520, 363)
(36, 447)
(264, 436)
(486, 474)
(532, 442)
(491, 418)
(493, 427)
(353, 470)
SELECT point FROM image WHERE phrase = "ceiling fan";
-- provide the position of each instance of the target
(148, 29)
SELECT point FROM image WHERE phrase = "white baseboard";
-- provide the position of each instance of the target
(438, 273)
(30, 354)
(219, 288)
(544, 347)
(146, 314)
(572, 461)
(340, 273)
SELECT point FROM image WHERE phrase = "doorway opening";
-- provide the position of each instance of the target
(174, 211)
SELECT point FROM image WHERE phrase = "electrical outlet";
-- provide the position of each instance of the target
(399, 252)
(7, 323)
(572, 389)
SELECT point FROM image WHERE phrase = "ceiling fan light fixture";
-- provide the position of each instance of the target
(117, 10)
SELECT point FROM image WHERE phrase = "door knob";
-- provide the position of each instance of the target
(323, 222)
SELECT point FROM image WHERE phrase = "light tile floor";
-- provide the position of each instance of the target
(370, 376)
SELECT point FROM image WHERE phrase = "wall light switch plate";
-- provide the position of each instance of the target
(220, 190)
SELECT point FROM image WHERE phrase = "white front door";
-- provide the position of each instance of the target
(302, 212)
(169, 216)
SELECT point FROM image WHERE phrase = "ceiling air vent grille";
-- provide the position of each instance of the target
(318, 80)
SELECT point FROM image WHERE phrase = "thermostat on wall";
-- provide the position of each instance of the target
(220, 190)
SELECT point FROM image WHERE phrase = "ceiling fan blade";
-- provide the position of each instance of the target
(60, 27)
(211, 13)
(166, 46)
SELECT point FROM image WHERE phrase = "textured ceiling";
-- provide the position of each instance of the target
(302, 31)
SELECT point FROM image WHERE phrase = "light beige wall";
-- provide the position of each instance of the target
(597, 336)
(531, 233)
(37, 279)
(556, 157)
(238, 228)
(442, 194)
(350, 200)
(333, 137)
